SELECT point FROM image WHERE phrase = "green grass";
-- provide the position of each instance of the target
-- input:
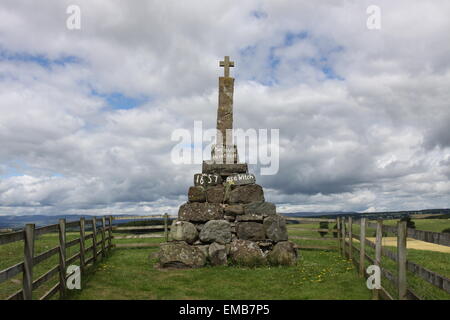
(130, 273)
(12, 253)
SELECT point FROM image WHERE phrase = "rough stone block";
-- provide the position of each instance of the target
(217, 254)
(196, 194)
(246, 194)
(250, 217)
(180, 255)
(215, 194)
(275, 228)
(283, 253)
(224, 169)
(260, 208)
(183, 231)
(200, 212)
(216, 231)
(235, 209)
(247, 253)
(250, 231)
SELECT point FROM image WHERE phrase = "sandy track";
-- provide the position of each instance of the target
(414, 244)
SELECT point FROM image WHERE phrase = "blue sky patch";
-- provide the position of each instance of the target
(39, 59)
(119, 101)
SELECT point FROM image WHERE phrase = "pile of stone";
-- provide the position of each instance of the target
(227, 220)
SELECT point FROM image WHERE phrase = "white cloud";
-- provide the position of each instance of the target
(363, 114)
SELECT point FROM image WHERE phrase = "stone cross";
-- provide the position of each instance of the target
(226, 64)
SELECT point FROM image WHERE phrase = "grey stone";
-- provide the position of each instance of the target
(217, 254)
(246, 194)
(234, 209)
(200, 212)
(205, 179)
(216, 231)
(180, 255)
(283, 253)
(196, 194)
(229, 218)
(215, 194)
(203, 248)
(183, 231)
(250, 217)
(275, 228)
(225, 168)
(247, 253)
(261, 208)
(250, 231)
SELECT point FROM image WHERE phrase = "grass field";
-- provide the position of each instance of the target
(320, 274)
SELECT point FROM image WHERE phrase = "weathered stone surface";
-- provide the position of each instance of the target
(283, 253)
(183, 231)
(203, 248)
(200, 212)
(215, 194)
(196, 194)
(180, 255)
(216, 231)
(234, 209)
(217, 254)
(246, 194)
(250, 231)
(250, 217)
(261, 208)
(241, 179)
(199, 226)
(275, 228)
(225, 168)
(229, 218)
(205, 180)
(224, 154)
(247, 253)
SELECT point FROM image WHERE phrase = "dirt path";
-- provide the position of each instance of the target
(414, 244)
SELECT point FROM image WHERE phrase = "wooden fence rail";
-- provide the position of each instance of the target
(343, 233)
(29, 235)
(400, 257)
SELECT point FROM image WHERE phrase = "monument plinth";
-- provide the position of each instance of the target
(226, 218)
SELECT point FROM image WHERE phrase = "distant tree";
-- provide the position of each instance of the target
(446, 230)
(335, 233)
(323, 225)
(409, 222)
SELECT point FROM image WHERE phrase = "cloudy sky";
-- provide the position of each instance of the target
(86, 116)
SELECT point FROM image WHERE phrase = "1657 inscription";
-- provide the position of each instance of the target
(205, 179)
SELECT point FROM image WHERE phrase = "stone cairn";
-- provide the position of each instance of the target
(226, 219)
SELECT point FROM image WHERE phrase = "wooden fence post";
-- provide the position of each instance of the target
(82, 244)
(27, 280)
(362, 250)
(94, 238)
(62, 257)
(103, 236)
(343, 236)
(110, 232)
(401, 259)
(350, 238)
(166, 229)
(338, 226)
(378, 246)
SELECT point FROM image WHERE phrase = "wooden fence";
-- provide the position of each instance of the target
(359, 255)
(99, 249)
(29, 234)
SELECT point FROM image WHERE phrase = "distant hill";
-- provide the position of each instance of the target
(17, 222)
